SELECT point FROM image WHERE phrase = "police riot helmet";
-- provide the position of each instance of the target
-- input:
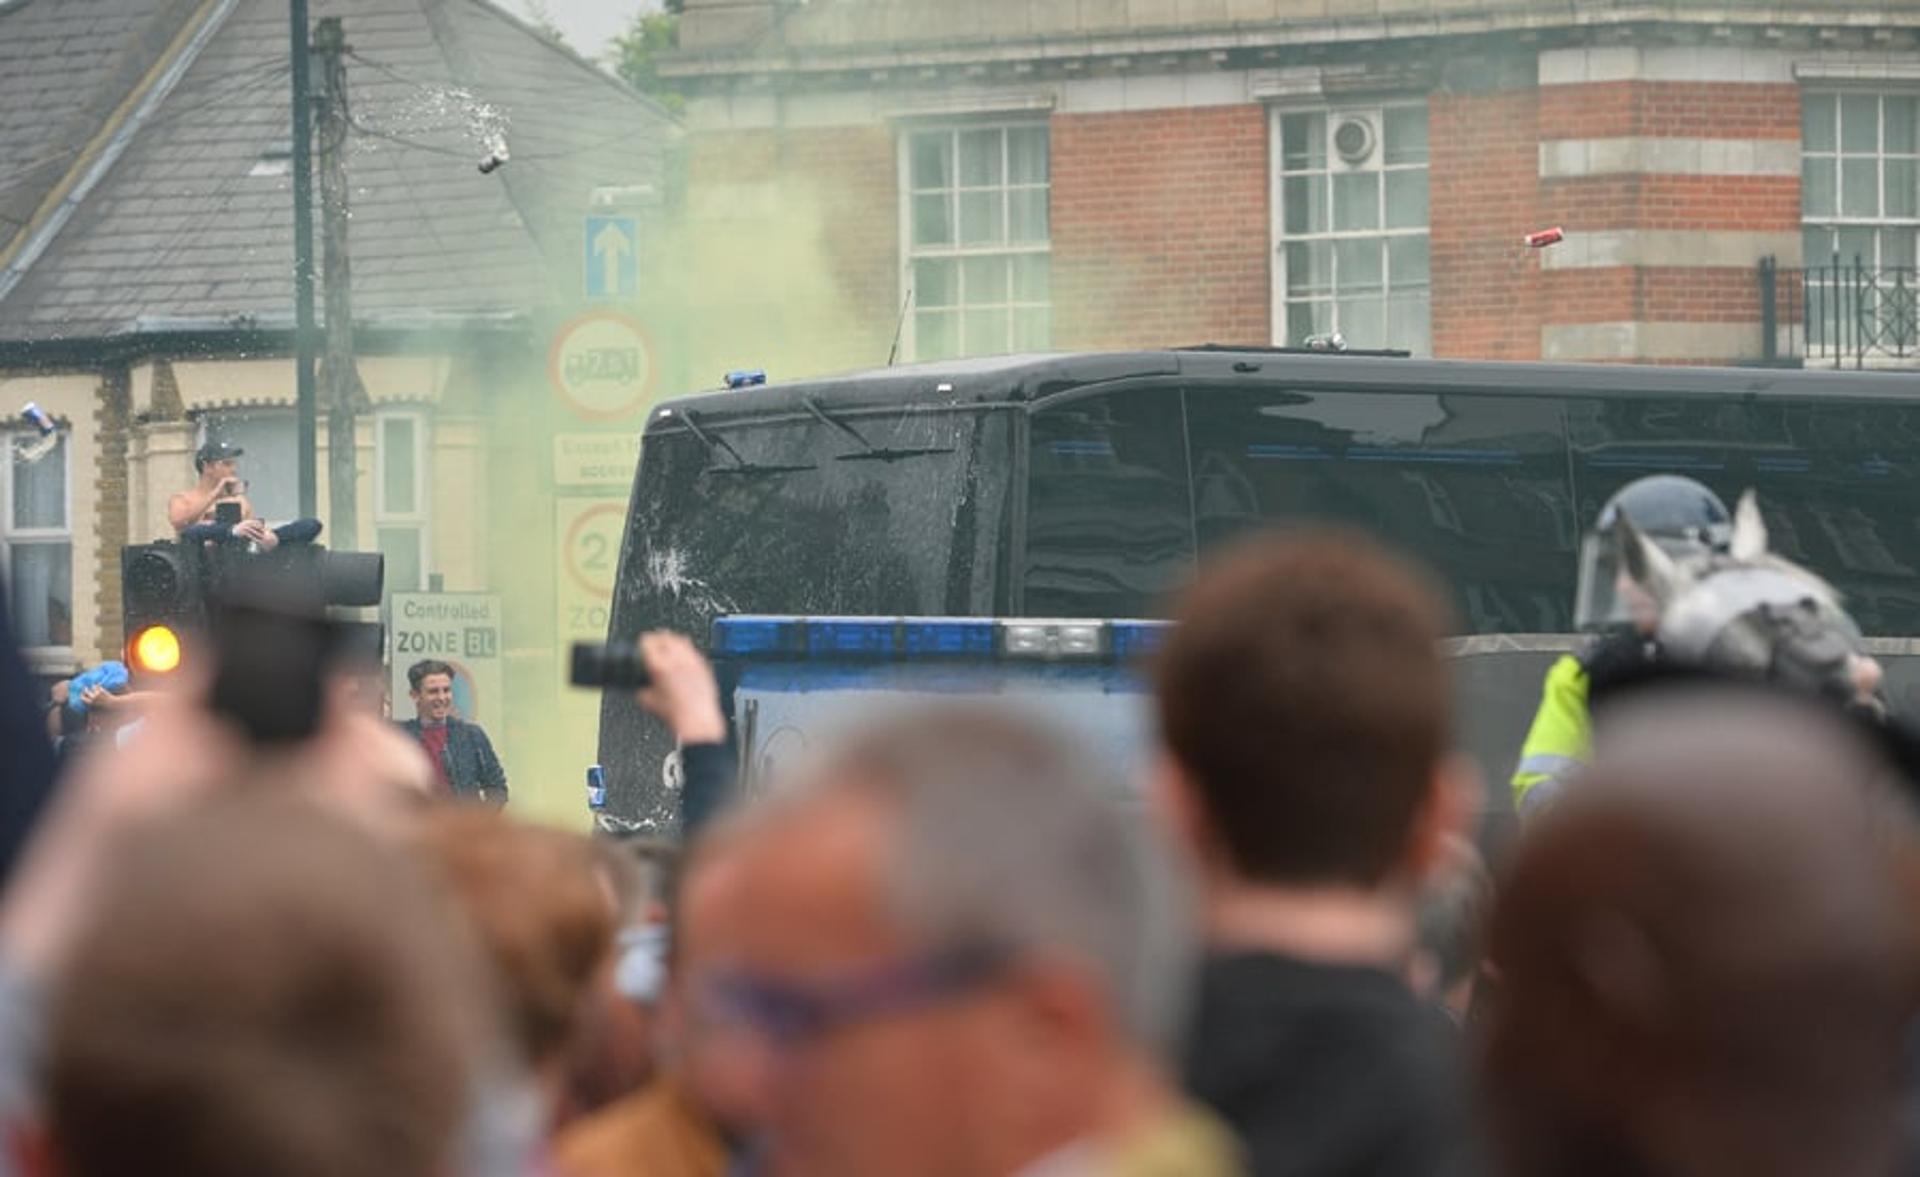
(1683, 517)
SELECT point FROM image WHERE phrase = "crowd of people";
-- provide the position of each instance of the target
(943, 948)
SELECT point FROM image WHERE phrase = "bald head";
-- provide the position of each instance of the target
(1707, 952)
(954, 938)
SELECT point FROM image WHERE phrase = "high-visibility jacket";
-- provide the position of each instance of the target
(1561, 738)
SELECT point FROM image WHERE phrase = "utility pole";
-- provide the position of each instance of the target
(346, 396)
(306, 434)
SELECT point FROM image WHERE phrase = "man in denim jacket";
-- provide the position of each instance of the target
(461, 754)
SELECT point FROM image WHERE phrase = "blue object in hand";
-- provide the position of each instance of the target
(110, 675)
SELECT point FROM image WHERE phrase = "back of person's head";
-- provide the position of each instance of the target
(262, 988)
(1305, 701)
(1707, 958)
(542, 913)
(1010, 840)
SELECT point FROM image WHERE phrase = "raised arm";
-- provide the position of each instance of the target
(184, 509)
(685, 696)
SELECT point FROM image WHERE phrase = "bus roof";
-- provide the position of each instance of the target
(1022, 379)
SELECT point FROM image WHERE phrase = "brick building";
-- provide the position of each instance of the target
(1044, 173)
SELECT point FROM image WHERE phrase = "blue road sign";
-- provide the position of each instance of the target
(612, 265)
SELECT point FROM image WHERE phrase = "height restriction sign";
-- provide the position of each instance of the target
(602, 366)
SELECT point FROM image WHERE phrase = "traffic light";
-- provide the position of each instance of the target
(155, 649)
(171, 592)
(161, 589)
(351, 579)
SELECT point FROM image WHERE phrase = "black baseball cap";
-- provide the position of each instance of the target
(217, 451)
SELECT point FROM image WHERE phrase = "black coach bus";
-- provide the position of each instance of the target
(1087, 485)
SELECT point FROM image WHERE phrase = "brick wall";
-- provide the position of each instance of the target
(1671, 289)
(1661, 294)
(1160, 228)
(1673, 202)
(1670, 193)
(1713, 110)
(112, 423)
(1484, 177)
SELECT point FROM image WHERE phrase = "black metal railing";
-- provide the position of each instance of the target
(1839, 313)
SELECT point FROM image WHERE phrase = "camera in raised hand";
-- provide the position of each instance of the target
(671, 679)
(612, 665)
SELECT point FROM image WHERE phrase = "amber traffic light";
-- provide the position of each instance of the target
(154, 650)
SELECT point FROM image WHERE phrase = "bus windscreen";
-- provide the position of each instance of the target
(797, 515)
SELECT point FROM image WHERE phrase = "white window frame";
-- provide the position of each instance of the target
(1838, 219)
(1825, 290)
(910, 253)
(10, 536)
(421, 517)
(1277, 224)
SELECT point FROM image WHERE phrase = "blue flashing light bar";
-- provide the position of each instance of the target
(959, 638)
(845, 636)
(747, 636)
(746, 378)
(934, 638)
(1136, 641)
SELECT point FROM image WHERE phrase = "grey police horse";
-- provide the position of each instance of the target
(1752, 614)
(1745, 613)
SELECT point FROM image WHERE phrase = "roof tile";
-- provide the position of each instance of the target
(179, 228)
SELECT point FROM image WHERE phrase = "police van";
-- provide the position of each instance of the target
(1018, 523)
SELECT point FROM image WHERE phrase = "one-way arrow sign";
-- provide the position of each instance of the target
(611, 264)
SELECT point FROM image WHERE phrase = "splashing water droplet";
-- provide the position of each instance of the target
(435, 111)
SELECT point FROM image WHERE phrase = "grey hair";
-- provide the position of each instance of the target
(1012, 839)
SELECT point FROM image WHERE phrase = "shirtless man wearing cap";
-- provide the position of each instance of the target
(218, 466)
(194, 513)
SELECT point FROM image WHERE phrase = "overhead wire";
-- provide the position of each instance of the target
(227, 87)
(222, 199)
(403, 141)
(393, 74)
(223, 196)
(427, 218)
(242, 81)
(406, 182)
(412, 194)
(20, 175)
(443, 89)
(264, 74)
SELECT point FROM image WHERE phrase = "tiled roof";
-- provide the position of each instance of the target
(180, 228)
(63, 65)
